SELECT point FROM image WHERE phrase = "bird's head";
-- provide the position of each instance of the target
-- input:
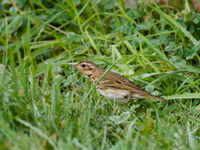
(86, 67)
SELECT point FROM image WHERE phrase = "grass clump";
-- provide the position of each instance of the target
(41, 95)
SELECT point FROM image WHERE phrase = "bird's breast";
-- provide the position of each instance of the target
(92, 79)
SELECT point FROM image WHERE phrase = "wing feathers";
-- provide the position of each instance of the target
(116, 81)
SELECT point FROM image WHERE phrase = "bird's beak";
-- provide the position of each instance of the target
(73, 65)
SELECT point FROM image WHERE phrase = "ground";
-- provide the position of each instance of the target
(47, 104)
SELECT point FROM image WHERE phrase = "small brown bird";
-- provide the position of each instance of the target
(113, 85)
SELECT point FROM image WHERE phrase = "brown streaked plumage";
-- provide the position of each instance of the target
(113, 85)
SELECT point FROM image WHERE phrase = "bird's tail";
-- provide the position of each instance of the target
(157, 97)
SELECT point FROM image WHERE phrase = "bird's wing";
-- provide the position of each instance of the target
(117, 81)
(113, 80)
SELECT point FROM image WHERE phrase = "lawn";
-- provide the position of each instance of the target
(47, 104)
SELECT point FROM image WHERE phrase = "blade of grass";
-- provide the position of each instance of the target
(93, 43)
(81, 11)
(38, 131)
(11, 134)
(175, 23)
(120, 32)
(184, 96)
(190, 137)
(167, 75)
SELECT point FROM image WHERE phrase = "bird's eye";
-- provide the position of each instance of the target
(83, 65)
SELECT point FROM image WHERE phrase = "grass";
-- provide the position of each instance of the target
(46, 104)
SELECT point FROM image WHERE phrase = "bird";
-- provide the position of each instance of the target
(113, 86)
